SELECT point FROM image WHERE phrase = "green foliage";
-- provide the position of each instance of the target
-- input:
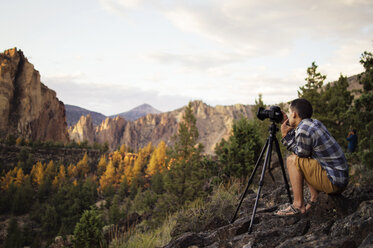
(14, 238)
(185, 178)
(363, 111)
(114, 211)
(88, 231)
(22, 199)
(238, 155)
(313, 89)
(50, 221)
(144, 201)
(25, 160)
(124, 188)
(157, 183)
(336, 101)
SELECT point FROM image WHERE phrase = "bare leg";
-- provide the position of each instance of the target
(296, 180)
(314, 194)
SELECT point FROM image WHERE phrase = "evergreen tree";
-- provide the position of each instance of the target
(114, 211)
(363, 112)
(22, 198)
(239, 153)
(185, 178)
(157, 183)
(14, 238)
(124, 188)
(313, 89)
(337, 101)
(88, 231)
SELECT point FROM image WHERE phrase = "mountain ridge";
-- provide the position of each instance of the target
(138, 112)
(213, 123)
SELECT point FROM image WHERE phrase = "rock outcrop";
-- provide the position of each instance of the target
(213, 123)
(27, 107)
(83, 130)
(335, 221)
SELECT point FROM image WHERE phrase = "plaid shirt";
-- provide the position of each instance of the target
(312, 139)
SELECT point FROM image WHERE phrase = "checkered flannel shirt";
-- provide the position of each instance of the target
(312, 139)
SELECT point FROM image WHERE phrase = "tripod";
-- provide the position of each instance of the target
(267, 161)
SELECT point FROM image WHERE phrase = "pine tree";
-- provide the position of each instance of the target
(313, 89)
(363, 112)
(337, 101)
(88, 231)
(14, 238)
(238, 155)
(186, 176)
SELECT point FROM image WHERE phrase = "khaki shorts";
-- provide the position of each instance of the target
(316, 176)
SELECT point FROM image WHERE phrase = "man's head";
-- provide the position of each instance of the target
(299, 109)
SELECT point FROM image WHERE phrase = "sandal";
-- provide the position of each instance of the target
(290, 211)
(312, 205)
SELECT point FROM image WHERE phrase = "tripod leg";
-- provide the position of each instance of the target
(250, 180)
(283, 169)
(267, 161)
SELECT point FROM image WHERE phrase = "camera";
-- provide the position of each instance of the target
(273, 113)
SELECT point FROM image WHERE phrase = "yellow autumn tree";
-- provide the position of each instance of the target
(71, 171)
(123, 149)
(50, 171)
(157, 162)
(8, 179)
(116, 157)
(108, 178)
(120, 172)
(20, 178)
(101, 167)
(82, 166)
(37, 173)
(60, 179)
(142, 160)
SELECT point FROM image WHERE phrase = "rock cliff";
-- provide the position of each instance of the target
(213, 123)
(27, 107)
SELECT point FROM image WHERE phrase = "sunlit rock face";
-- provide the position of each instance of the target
(28, 108)
(213, 123)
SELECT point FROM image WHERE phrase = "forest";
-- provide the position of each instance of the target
(143, 198)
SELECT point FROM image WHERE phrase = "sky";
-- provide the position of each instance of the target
(110, 56)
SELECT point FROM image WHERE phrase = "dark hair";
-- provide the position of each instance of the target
(302, 107)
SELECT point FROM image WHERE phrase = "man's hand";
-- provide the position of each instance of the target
(284, 117)
(285, 128)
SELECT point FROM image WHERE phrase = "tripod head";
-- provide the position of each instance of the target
(273, 129)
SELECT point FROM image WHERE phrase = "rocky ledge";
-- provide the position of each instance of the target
(335, 221)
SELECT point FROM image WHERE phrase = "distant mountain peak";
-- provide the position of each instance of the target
(139, 111)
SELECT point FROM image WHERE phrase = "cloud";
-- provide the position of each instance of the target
(196, 61)
(109, 99)
(262, 27)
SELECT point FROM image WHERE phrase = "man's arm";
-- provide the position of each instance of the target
(300, 143)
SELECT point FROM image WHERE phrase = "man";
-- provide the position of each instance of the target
(317, 158)
(352, 141)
